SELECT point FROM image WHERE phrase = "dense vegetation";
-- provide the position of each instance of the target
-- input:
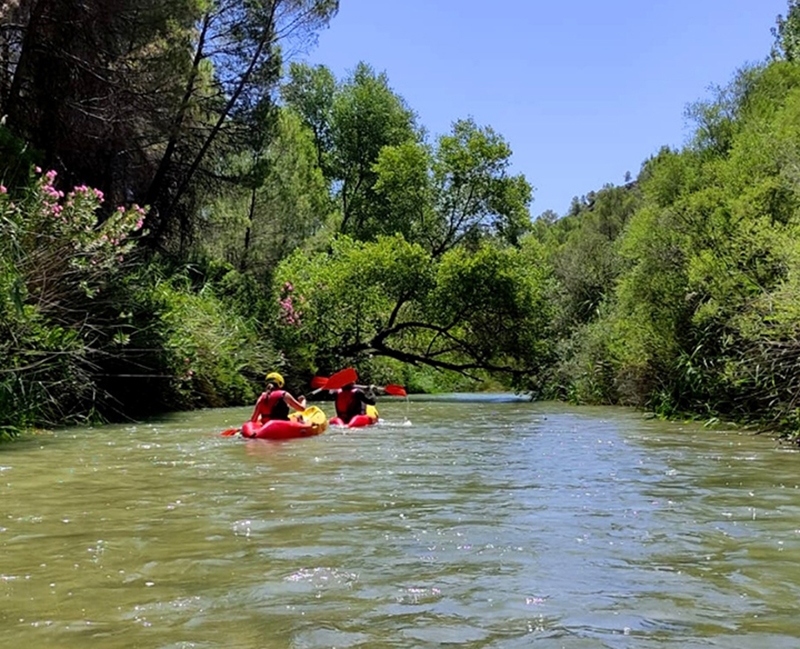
(183, 208)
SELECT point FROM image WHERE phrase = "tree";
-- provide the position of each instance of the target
(87, 84)
(405, 193)
(310, 92)
(474, 192)
(787, 33)
(457, 194)
(352, 122)
(467, 312)
(587, 264)
(241, 41)
(288, 203)
(366, 116)
(133, 96)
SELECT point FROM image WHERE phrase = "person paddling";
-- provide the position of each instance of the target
(352, 401)
(274, 402)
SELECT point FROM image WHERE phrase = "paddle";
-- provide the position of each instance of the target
(230, 432)
(322, 383)
(319, 382)
(336, 381)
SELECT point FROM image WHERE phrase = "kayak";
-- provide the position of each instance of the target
(368, 419)
(312, 421)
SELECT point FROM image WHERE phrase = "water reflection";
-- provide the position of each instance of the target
(487, 523)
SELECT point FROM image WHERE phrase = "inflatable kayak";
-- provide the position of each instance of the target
(312, 421)
(368, 419)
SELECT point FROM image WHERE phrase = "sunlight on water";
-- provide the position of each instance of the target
(487, 523)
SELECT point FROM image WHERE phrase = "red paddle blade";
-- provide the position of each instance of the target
(319, 382)
(396, 390)
(230, 432)
(342, 378)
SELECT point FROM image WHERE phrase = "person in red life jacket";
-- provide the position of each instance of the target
(352, 401)
(275, 402)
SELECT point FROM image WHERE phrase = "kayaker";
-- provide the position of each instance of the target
(274, 402)
(352, 401)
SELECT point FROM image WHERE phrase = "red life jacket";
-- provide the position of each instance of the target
(348, 405)
(272, 406)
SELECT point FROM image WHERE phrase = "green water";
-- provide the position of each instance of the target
(492, 524)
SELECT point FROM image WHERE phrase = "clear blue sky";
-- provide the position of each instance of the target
(583, 90)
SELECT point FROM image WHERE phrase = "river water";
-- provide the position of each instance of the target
(496, 523)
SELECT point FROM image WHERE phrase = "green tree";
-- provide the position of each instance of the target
(467, 312)
(141, 99)
(457, 194)
(473, 191)
(366, 116)
(352, 122)
(787, 33)
(286, 208)
(587, 263)
(310, 91)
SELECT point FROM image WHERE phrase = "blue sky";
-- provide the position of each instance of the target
(582, 90)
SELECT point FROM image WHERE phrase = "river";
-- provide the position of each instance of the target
(492, 524)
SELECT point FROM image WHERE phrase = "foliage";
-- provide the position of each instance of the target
(697, 316)
(55, 259)
(286, 207)
(366, 116)
(142, 98)
(465, 312)
(184, 348)
(787, 33)
(585, 253)
(474, 192)
(456, 194)
(310, 91)
(352, 121)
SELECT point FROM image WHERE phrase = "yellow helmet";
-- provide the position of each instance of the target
(274, 377)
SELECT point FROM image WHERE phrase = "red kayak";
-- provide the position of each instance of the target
(368, 419)
(312, 421)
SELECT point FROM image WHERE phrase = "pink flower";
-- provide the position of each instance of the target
(3, 189)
